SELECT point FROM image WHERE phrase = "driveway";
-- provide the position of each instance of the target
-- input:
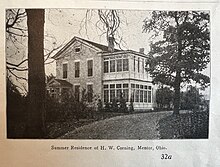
(134, 126)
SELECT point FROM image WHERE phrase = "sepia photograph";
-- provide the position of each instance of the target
(107, 74)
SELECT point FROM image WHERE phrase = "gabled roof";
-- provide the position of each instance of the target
(103, 48)
(60, 82)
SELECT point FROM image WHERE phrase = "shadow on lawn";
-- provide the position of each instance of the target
(192, 125)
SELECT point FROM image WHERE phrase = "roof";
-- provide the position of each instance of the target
(63, 83)
(102, 47)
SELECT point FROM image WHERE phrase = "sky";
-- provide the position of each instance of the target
(64, 24)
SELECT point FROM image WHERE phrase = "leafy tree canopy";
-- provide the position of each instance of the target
(184, 47)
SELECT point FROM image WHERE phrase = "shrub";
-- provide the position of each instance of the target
(190, 125)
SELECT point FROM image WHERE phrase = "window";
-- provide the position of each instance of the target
(141, 95)
(106, 96)
(106, 66)
(77, 69)
(112, 65)
(134, 63)
(64, 71)
(77, 92)
(137, 95)
(145, 96)
(77, 50)
(112, 95)
(149, 95)
(116, 64)
(138, 64)
(125, 65)
(125, 92)
(90, 67)
(90, 92)
(113, 91)
(119, 65)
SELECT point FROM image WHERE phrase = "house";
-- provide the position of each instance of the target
(104, 71)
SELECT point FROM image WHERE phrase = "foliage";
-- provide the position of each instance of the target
(131, 105)
(68, 107)
(100, 105)
(193, 125)
(164, 97)
(191, 99)
(117, 105)
(122, 104)
(184, 51)
(16, 111)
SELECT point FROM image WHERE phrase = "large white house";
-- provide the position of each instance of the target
(103, 71)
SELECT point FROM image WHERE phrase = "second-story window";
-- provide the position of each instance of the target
(125, 65)
(90, 67)
(106, 66)
(77, 69)
(64, 71)
(112, 65)
(119, 65)
(116, 64)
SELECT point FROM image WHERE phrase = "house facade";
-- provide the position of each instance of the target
(104, 71)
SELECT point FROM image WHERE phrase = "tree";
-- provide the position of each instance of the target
(183, 52)
(36, 74)
(16, 46)
(164, 97)
(191, 98)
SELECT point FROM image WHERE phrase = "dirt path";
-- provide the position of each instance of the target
(135, 126)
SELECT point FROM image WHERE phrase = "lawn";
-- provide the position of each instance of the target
(133, 126)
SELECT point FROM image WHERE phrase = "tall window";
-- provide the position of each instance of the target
(141, 93)
(134, 63)
(77, 69)
(90, 67)
(112, 92)
(125, 65)
(64, 70)
(90, 92)
(106, 66)
(112, 65)
(119, 65)
(118, 91)
(138, 64)
(77, 92)
(149, 94)
(125, 92)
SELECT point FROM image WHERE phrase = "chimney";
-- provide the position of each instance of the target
(141, 50)
(111, 44)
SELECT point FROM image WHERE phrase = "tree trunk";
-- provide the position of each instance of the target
(36, 74)
(176, 102)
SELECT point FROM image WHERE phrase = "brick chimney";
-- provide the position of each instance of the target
(111, 44)
(141, 50)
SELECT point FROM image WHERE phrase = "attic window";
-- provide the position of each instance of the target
(77, 50)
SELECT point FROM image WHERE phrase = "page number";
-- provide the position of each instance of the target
(166, 156)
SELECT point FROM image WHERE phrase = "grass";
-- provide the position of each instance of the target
(193, 125)
(133, 126)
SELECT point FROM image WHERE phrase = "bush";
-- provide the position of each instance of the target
(16, 111)
(117, 106)
(68, 108)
